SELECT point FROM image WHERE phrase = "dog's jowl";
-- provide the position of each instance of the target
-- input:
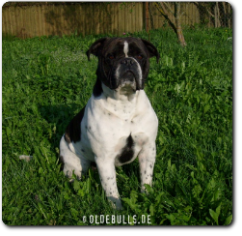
(118, 123)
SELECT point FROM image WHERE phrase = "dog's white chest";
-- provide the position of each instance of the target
(117, 128)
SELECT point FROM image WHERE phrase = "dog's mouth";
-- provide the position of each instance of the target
(129, 76)
(128, 81)
(128, 87)
(125, 78)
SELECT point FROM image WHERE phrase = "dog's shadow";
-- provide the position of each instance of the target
(58, 118)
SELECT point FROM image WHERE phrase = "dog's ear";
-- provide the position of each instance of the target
(96, 48)
(153, 52)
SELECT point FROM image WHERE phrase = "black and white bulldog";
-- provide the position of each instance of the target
(118, 123)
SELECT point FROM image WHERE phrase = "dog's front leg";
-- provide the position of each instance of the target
(107, 173)
(146, 162)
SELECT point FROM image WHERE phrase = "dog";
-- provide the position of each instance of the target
(118, 123)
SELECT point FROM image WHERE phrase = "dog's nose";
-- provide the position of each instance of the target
(127, 61)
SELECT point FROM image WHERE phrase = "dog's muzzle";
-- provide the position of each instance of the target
(129, 72)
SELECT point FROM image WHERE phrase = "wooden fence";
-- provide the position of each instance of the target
(37, 19)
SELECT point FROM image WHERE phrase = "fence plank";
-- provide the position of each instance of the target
(124, 28)
(141, 16)
(11, 17)
(134, 17)
(8, 22)
(128, 18)
(4, 21)
(137, 16)
(119, 19)
(82, 20)
(91, 18)
(30, 21)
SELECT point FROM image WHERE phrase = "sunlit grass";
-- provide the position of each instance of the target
(46, 81)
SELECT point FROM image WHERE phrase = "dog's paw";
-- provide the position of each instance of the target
(115, 203)
(146, 188)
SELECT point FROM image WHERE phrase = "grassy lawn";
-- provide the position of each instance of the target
(47, 80)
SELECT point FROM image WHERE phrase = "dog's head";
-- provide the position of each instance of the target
(123, 62)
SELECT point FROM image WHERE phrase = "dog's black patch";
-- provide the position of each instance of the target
(73, 130)
(97, 89)
(127, 152)
(94, 165)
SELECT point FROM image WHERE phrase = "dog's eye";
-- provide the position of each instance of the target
(111, 57)
(139, 57)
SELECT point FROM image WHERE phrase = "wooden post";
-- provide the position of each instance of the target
(218, 14)
(178, 24)
(230, 18)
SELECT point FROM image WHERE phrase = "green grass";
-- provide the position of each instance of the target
(47, 80)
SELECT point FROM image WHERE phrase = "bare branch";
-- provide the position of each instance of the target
(199, 6)
(173, 18)
(180, 15)
(163, 11)
(159, 8)
(177, 10)
(169, 8)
